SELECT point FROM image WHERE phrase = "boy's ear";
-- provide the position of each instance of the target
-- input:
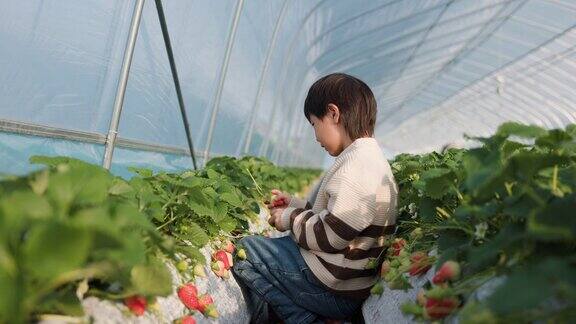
(333, 113)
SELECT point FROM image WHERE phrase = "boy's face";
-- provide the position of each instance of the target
(329, 133)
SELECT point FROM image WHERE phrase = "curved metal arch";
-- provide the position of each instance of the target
(222, 78)
(553, 58)
(524, 91)
(415, 32)
(247, 140)
(457, 18)
(480, 64)
(415, 50)
(510, 63)
(399, 50)
(265, 143)
(464, 51)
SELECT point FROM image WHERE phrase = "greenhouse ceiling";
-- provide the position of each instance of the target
(439, 69)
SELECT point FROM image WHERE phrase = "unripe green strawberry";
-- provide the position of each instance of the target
(405, 263)
(241, 254)
(204, 301)
(403, 254)
(199, 271)
(395, 263)
(438, 292)
(397, 283)
(416, 233)
(211, 311)
(377, 289)
(421, 297)
(182, 265)
(449, 271)
(385, 268)
(411, 308)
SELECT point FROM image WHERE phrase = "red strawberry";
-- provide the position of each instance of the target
(221, 255)
(417, 256)
(440, 308)
(420, 263)
(204, 301)
(188, 294)
(219, 269)
(229, 247)
(397, 246)
(186, 320)
(450, 270)
(136, 304)
(417, 269)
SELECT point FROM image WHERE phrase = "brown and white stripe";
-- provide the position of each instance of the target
(354, 211)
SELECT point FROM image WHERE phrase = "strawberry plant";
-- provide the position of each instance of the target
(73, 229)
(503, 210)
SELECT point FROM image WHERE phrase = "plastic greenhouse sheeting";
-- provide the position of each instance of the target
(439, 69)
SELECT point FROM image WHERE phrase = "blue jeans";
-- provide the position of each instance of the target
(275, 274)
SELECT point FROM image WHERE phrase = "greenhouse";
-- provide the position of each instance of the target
(141, 143)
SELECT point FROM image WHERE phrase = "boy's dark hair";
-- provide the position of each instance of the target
(352, 96)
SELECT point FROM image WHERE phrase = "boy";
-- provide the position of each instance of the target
(320, 270)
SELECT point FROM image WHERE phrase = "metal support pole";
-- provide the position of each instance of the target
(166, 36)
(253, 113)
(122, 83)
(223, 71)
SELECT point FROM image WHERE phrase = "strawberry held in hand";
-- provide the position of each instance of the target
(450, 270)
(136, 304)
(188, 295)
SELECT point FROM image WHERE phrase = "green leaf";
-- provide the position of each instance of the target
(143, 172)
(536, 284)
(196, 235)
(54, 248)
(232, 199)
(152, 279)
(520, 130)
(192, 252)
(120, 187)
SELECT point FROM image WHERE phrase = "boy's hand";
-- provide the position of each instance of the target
(279, 199)
(274, 220)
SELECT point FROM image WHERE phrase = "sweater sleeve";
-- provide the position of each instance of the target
(299, 203)
(348, 213)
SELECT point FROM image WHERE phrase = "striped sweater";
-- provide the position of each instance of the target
(354, 210)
